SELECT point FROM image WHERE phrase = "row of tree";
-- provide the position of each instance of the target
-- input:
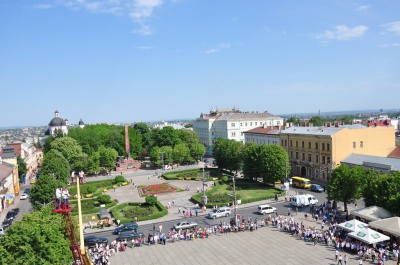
(269, 162)
(350, 184)
(97, 146)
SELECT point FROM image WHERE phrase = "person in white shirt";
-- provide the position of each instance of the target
(58, 197)
(65, 194)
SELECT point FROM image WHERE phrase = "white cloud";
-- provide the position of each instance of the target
(392, 27)
(219, 47)
(42, 6)
(397, 44)
(140, 11)
(343, 33)
(362, 8)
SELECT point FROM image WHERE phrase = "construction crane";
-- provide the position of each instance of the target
(79, 253)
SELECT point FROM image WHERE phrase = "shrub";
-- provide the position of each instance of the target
(91, 189)
(151, 199)
(104, 199)
(119, 179)
(225, 179)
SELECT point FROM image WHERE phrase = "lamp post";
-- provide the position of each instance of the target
(162, 161)
(234, 200)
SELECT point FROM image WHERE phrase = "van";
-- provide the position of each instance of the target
(263, 209)
(300, 182)
(220, 212)
(303, 200)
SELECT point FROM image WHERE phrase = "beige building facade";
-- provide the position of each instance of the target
(315, 151)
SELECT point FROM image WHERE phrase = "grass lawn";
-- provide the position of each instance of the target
(246, 191)
(126, 212)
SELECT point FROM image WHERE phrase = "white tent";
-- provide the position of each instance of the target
(353, 225)
(390, 225)
(372, 213)
(369, 236)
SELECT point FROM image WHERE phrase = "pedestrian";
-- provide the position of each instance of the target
(340, 259)
(179, 210)
(65, 195)
(118, 221)
(360, 261)
(336, 255)
(154, 228)
(345, 259)
(173, 202)
(160, 227)
(297, 210)
(183, 213)
(197, 211)
(58, 197)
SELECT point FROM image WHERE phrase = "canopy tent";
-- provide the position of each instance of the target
(372, 213)
(390, 225)
(369, 236)
(353, 225)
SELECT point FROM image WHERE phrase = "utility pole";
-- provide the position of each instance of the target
(162, 161)
(234, 199)
(205, 175)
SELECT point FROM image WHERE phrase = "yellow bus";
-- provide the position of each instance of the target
(300, 182)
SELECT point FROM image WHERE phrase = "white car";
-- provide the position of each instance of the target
(24, 196)
(184, 225)
(263, 209)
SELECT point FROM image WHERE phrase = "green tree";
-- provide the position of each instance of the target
(155, 156)
(108, 157)
(167, 156)
(47, 144)
(167, 136)
(251, 161)
(181, 153)
(188, 137)
(197, 150)
(54, 163)
(21, 167)
(146, 133)
(316, 121)
(39, 238)
(135, 142)
(346, 119)
(228, 154)
(44, 190)
(151, 199)
(345, 184)
(188, 125)
(68, 147)
(293, 120)
(274, 161)
(94, 163)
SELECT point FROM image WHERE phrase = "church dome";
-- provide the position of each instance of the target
(81, 122)
(57, 121)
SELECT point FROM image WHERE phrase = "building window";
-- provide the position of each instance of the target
(323, 159)
(297, 143)
(316, 159)
(251, 124)
(328, 147)
(233, 134)
(291, 143)
(285, 142)
(309, 157)
(291, 154)
(302, 144)
(328, 160)
(213, 141)
(241, 124)
(323, 146)
(255, 123)
(245, 124)
(241, 134)
(297, 155)
(232, 124)
(303, 156)
(316, 146)
(361, 144)
(354, 145)
(309, 145)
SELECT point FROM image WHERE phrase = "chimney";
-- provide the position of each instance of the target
(336, 124)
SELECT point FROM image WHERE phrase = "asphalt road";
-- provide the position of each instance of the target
(281, 206)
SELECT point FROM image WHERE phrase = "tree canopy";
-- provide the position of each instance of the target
(228, 154)
(345, 184)
(39, 238)
(44, 190)
(68, 147)
(274, 162)
(54, 163)
(21, 167)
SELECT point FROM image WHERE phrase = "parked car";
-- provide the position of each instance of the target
(185, 225)
(317, 188)
(2, 230)
(220, 212)
(10, 215)
(132, 226)
(27, 191)
(24, 196)
(16, 211)
(7, 223)
(90, 241)
(129, 235)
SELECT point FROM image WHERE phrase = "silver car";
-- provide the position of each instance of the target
(220, 212)
(184, 225)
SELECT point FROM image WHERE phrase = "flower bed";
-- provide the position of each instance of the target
(157, 189)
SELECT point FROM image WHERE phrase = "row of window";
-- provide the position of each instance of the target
(259, 141)
(325, 159)
(233, 124)
(316, 145)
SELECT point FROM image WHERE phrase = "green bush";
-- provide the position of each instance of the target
(91, 189)
(118, 212)
(120, 179)
(225, 179)
(104, 199)
(151, 199)
(89, 206)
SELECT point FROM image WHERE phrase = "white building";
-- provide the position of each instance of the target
(230, 124)
(264, 135)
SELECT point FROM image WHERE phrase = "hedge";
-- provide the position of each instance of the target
(89, 206)
(162, 211)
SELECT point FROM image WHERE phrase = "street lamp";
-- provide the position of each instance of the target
(234, 199)
(162, 161)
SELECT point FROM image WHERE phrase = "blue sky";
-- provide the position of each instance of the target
(142, 60)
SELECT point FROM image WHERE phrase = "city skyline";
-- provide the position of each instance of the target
(147, 60)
